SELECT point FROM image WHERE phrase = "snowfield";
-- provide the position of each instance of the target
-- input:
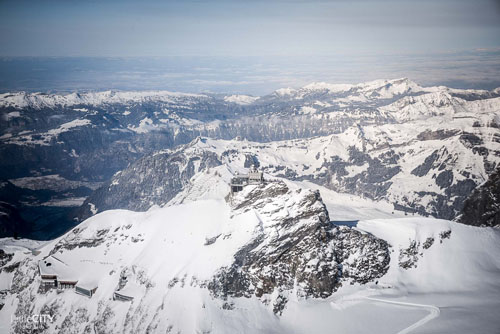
(339, 239)
(40, 100)
(241, 99)
(442, 276)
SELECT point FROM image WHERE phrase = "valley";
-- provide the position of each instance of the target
(376, 211)
(423, 149)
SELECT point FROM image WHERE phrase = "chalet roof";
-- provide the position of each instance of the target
(88, 283)
(51, 265)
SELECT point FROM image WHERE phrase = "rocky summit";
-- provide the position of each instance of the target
(297, 249)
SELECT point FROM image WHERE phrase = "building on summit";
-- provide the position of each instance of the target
(239, 181)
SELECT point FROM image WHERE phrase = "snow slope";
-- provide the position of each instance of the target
(167, 257)
(40, 100)
(241, 99)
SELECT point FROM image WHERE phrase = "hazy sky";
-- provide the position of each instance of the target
(240, 28)
(249, 46)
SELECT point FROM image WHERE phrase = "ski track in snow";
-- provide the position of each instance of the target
(434, 313)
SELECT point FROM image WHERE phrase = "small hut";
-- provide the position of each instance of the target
(56, 274)
(128, 293)
(86, 288)
(239, 181)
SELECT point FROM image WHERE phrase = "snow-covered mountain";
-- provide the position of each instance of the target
(264, 260)
(422, 148)
(415, 169)
(378, 89)
(39, 100)
(482, 207)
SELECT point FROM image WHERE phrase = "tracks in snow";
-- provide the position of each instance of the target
(433, 313)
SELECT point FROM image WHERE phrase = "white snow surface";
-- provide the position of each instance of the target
(454, 287)
(52, 182)
(41, 100)
(165, 251)
(241, 99)
(46, 138)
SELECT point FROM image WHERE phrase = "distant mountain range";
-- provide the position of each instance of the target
(131, 190)
(422, 149)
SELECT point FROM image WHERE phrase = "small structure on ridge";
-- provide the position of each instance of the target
(56, 274)
(254, 176)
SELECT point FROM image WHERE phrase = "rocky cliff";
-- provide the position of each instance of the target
(482, 207)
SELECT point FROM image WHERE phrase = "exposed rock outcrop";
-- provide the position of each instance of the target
(152, 180)
(297, 248)
(482, 207)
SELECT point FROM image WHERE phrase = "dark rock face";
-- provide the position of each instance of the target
(11, 222)
(5, 258)
(482, 207)
(444, 179)
(251, 160)
(301, 248)
(373, 255)
(470, 140)
(439, 134)
(426, 166)
(408, 257)
(154, 179)
(74, 240)
(428, 242)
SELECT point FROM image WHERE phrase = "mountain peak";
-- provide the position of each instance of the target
(328, 86)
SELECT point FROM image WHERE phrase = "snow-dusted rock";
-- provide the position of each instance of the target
(296, 249)
(260, 260)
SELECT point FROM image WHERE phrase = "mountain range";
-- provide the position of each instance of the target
(378, 212)
(423, 149)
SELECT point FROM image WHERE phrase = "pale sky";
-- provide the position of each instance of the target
(241, 28)
(251, 46)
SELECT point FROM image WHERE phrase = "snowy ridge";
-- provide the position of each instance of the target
(328, 86)
(172, 256)
(241, 99)
(379, 137)
(415, 168)
(380, 89)
(40, 100)
(373, 90)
